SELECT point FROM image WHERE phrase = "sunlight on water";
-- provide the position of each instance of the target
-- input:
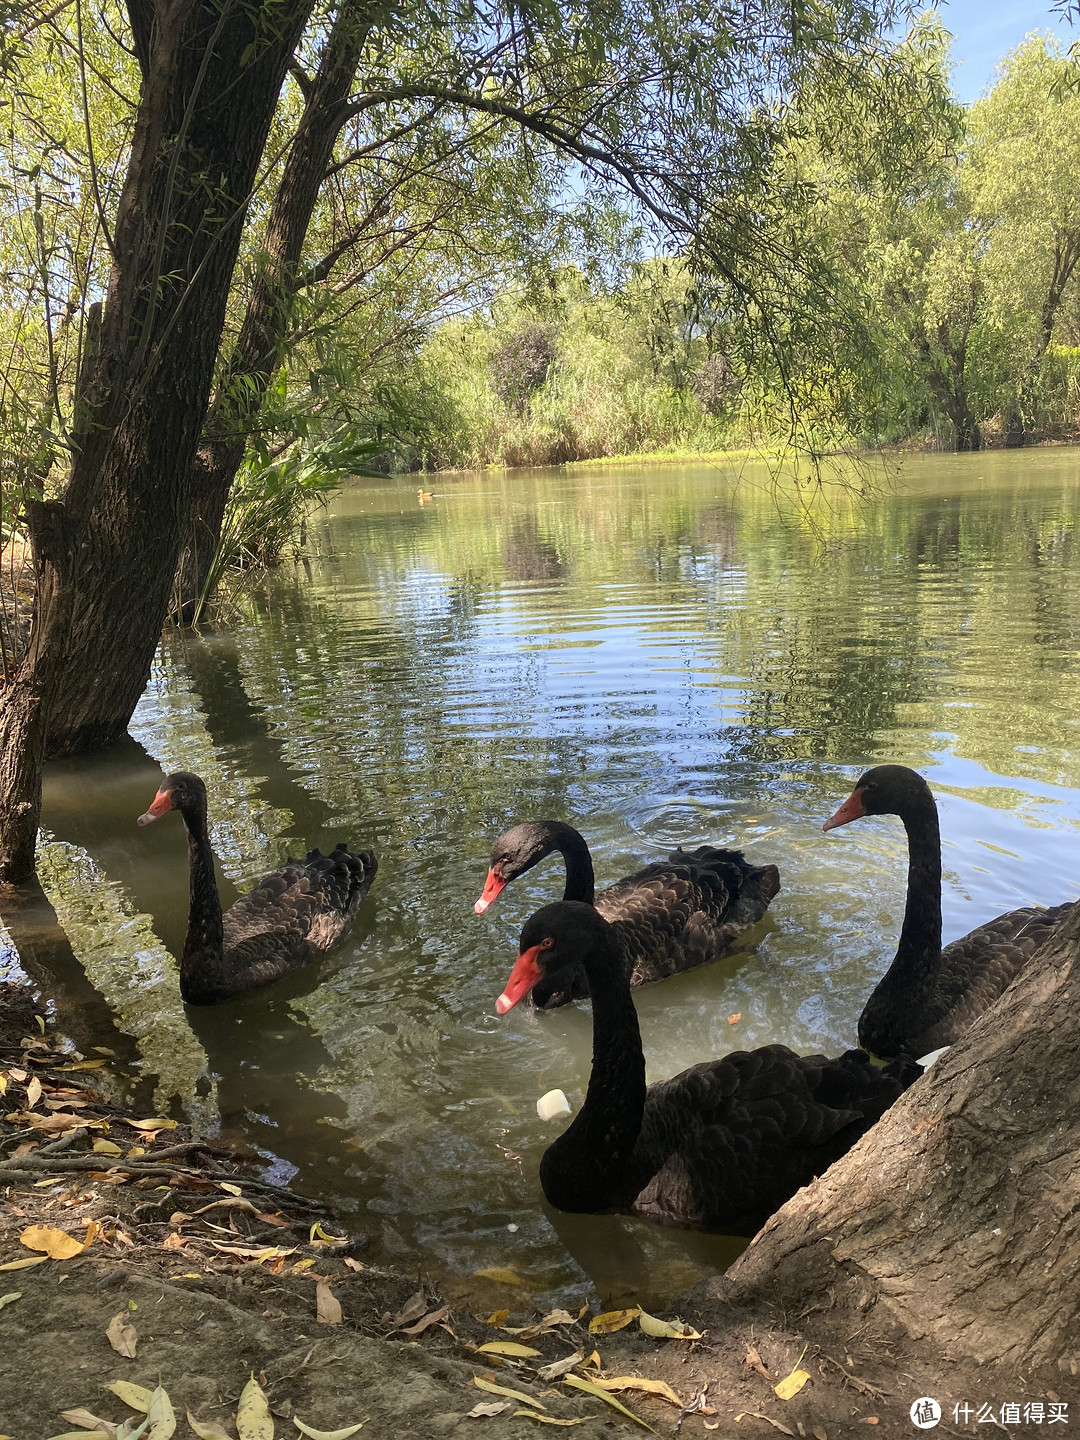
(660, 656)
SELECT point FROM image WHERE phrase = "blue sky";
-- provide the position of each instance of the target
(986, 30)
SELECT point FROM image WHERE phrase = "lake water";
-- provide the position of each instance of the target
(660, 656)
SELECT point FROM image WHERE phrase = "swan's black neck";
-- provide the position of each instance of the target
(580, 880)
(898, 1010)
(590, 1167)
(202, 966)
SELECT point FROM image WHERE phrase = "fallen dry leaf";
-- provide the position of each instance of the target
(253, 1418)
(509, 1348)
(122, 1336)
(426, 1321)
(791, 1384)
(488, 1407)
(612, 1320)
(206, 1430)
(754, 1361)
(161, 1416)
(498, 1317)
(493, 1389)
(768, 1419)
(549, 1419)
(503, 1275)
(89, 1422)
(561, 1367)
(25, 1264)
(57, 1244)
(33, 1093)
(666, 1329)
(590, 1388)
(137, 1396)
(414, 1307)
(10, 1298)
(154, 1124)
(637, 1382)
(342, 1434)
(327, 1305)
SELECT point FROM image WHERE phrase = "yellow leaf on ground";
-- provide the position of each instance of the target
(549, 1419)
(327, 1306)
(774, 1423)
(612, 1320)
(253, 1419)
(666, 1329)
(507, 1347)
(89, 1422)
(57, 1244)
(106, 1147)
(25, 1264)
(327, 1434)
(137, 1396)
(152, 1124)
(636, 1382)
(229, 1188)
(208, 1430)
(10, 1298)
(33, 1093)
(591, 1388)
(493, 1389)
(791, 1384)
(121, 1336)
(161, 1415)
(498, 1317)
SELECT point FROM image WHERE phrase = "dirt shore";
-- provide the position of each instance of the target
(183, 1253)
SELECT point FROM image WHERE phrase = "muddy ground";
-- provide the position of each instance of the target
(220, 1277)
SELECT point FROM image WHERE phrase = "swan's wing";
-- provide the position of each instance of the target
(299, 911)
(731, 1140)
(980, 966)
(685, 910)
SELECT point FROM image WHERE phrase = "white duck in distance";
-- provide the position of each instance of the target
(293, 916)
(669, 916)
(929, 996)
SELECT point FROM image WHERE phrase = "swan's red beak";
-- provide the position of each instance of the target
(523, 977)
(851, 809)
(162, 804)
(493, 886)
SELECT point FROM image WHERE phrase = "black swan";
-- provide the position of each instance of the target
(929, 996)
(291, 917)
(719, 1147)
(670, 916)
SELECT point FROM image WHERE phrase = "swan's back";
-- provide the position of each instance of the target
(296, 913)
(974, 971)
(729, 1141)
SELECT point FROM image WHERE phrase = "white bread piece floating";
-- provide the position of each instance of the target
(553, 1106)
(927, 1060)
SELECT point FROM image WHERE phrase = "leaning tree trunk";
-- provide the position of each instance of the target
(251, 367)
(955, 1221)
(106, 553)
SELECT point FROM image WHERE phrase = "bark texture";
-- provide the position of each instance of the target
(956, 1220)
(106, 553)
(258, 347)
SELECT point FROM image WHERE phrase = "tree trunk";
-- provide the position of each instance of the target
(106, 554)
(252, 365)
(955, 1222)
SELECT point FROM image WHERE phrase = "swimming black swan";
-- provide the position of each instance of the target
(928, 996)
(719, 1147)
(291, 917)
(670, 916)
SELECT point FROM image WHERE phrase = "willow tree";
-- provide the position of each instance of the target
(675, 108)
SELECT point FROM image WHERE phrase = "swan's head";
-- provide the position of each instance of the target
(555, 937)
(180, 791)
(512, 854)
(885, 790)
